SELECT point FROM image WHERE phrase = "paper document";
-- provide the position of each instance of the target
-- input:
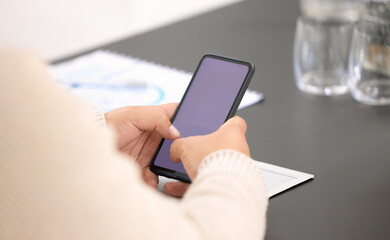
(109, 80)
(277, 179)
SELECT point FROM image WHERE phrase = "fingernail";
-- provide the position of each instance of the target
(174, 131)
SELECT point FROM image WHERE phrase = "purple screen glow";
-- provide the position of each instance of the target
(207, 103)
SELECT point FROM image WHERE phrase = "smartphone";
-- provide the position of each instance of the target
(211, 98)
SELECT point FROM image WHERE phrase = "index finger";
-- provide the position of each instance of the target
(176, 150)
(235, 121)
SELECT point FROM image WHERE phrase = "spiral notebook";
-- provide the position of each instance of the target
(108, 80)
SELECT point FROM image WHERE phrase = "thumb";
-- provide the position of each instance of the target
(156, 119)
(164, 126)
(163, 115)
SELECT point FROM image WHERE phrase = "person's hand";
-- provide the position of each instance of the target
(192, 150)
(139, 132)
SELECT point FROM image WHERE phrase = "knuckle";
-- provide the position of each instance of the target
(158, 113)
(161, 115)
(160, 119)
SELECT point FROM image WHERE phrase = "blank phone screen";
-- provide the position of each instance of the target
(206, 104)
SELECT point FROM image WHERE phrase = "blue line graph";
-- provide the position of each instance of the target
(105, 93)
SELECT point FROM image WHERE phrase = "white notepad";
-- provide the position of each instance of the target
(277, 179)
(109, 80)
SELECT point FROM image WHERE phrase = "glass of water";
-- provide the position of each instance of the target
(322, 43)
(369, 63)
(321, 51)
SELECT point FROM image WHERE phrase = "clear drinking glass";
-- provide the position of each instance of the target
(369, 62)
(321, 51)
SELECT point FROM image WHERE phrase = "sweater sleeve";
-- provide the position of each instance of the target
(61, 176)
(99, 117)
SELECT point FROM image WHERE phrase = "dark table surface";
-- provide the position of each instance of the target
(344, 143)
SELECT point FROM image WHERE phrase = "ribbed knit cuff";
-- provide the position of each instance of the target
(99, 117)
(234, 164)
(229, 187)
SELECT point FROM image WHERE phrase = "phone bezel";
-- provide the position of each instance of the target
(169, 173)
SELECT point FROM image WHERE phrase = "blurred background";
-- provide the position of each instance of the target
(57, 28)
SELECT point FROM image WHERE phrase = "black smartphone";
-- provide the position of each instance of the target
(211, 98)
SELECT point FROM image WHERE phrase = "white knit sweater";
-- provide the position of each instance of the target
(61, 176)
